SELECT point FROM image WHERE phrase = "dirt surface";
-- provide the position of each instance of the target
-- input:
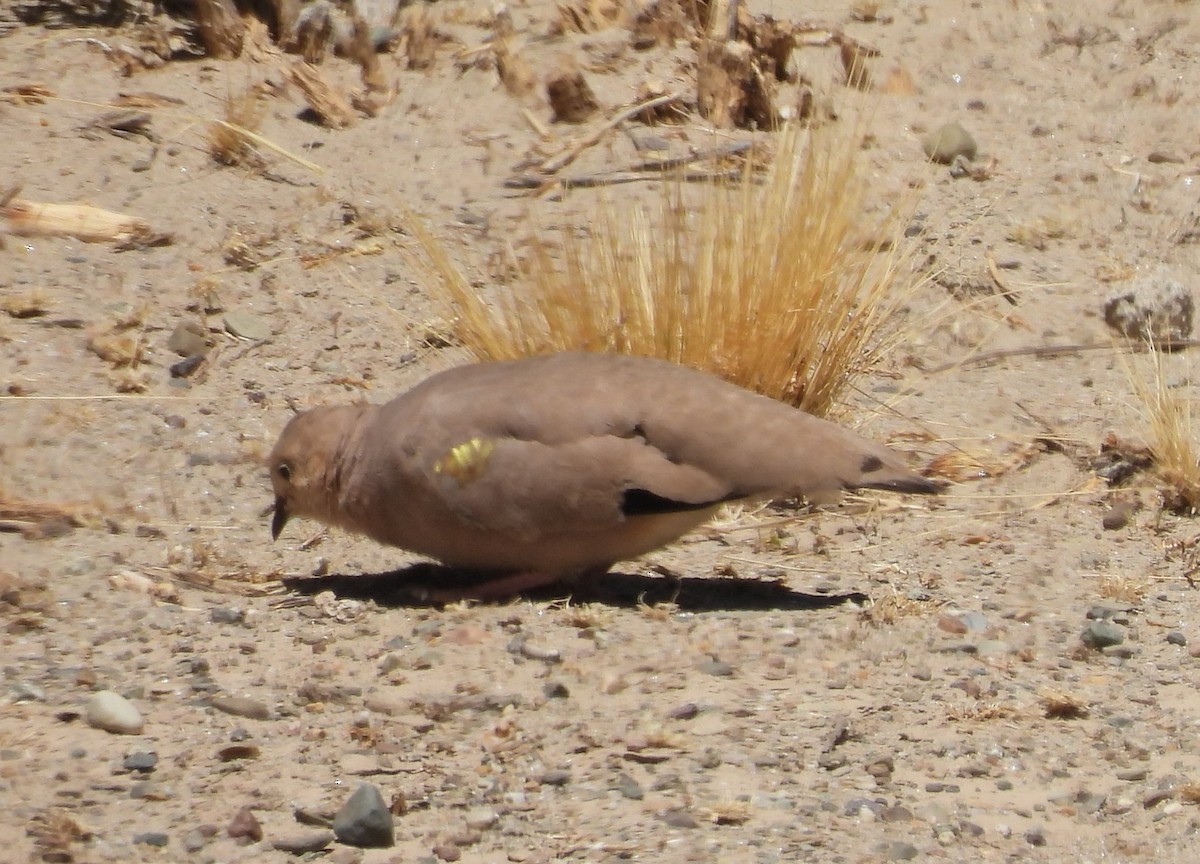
(892, 681)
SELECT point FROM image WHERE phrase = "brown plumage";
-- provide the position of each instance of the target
(556, 466)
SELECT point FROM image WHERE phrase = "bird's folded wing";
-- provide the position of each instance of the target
(529, 488)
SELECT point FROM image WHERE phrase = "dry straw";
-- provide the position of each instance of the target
(1167, 414)
(777, 282)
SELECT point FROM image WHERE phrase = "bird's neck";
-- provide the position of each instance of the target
(343, 467)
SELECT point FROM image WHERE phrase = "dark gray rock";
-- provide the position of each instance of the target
(1101, 634)
(365, 820)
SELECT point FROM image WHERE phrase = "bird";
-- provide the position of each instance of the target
(556, 467)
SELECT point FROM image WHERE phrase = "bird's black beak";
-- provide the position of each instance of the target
(279, 519)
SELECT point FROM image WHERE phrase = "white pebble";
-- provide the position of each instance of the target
(112, 712)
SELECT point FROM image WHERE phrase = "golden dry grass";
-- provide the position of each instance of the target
(230, 141)
(776, 282)
(1167, 414)
(1060, 705)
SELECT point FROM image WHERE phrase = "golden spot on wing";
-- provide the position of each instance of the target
(467, 461)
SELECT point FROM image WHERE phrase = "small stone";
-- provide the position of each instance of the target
(1157, 308)
(679, 818)
(198, 838)
(303, 842)
(1036, 836)
(112, 712)
(27, 691)
(555, 690)
(856, 807)
(896, 813)
(482, 818)
(556, 777)
(237, 752)
(246, 326)
(1101, 634)
(151, 838)
(188, 339)
(365, 820)
(447, 851)
(719, 668)
(226, 615)
(947, 142)
(245, 827)
(241, 706)
(951, 624)
(1117, 516)
(1123, 652)
(140, 760)
(686, 711)
(185, 367)
(899, 850)
(629, 788)
(1176, 638)
(148, 790)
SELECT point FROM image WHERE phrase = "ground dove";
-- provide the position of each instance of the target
(559, 466)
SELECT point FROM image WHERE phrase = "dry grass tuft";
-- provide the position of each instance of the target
(1124, 588)
(770, 282)
(1061, 705)
(228, 142)
(980, 711)
(1167, 413)
(888, 610)
(588, 616)
(1188, 793)
(728, 812)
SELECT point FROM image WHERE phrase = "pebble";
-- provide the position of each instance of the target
(629, 788)
(482, 818)
(198, 838)
(244, 826)
(303, 842)
(148, 790)
(226, 615)
(1176, 638)
(1101, 634)
(556, 777)
(241, 706)
(679, 818)
(947, 142)
(246, 326)
(899, 850)
(365, 820)
(151, 838)
(185, 367)
(857, 806)
(188, 339)
(686, 711)
(896, 813)
(140, 760)
(112, 712)
(719, 668)
(1036, 836)
(555, 690)
(27, 691)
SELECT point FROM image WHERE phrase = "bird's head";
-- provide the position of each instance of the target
(304, 463)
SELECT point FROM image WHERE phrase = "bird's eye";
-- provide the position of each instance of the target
(284, 470)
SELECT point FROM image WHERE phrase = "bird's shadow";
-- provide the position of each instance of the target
(414, 585)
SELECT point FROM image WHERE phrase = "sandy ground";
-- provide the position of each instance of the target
(893, 682)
